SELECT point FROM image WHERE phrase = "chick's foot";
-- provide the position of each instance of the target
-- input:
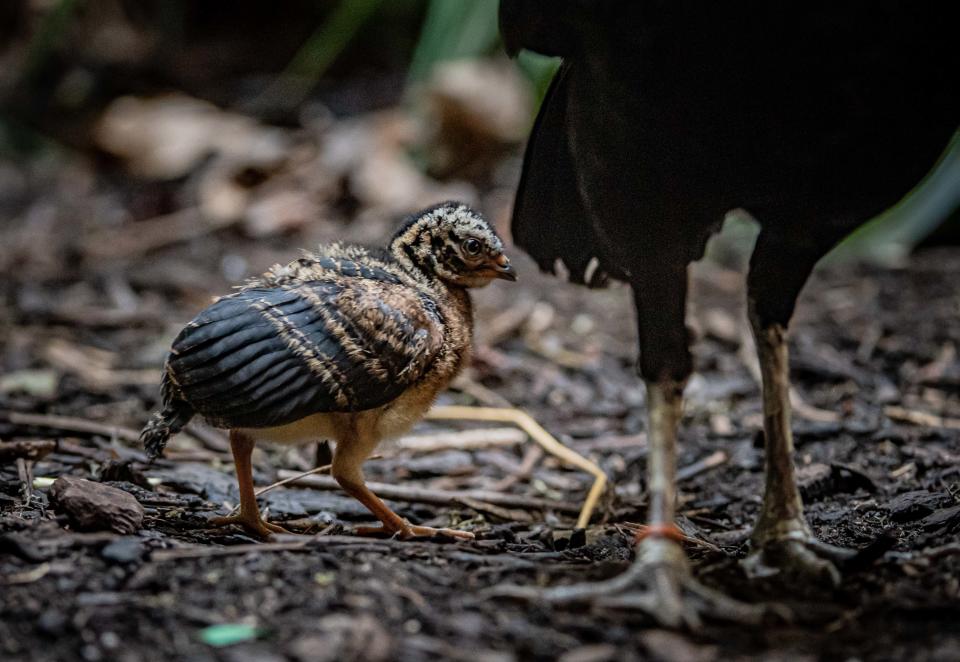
(254, 525)
(407, 531)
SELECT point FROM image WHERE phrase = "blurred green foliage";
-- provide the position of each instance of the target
(315, 56)
(451, 30)
(467, 29)
(893, 234)
(48, 33)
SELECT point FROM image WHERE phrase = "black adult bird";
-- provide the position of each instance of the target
(813, 117)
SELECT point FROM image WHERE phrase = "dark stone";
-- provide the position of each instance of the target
(941, 518)
(911, 506)
(96, 507)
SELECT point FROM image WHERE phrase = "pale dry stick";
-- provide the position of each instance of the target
(461, 440)
(525, 422)
(921, 418)
(712, 461)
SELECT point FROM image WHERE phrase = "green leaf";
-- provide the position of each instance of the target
(227, 634)
(453, 30)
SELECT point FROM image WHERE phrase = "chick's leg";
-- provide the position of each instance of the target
(249, 516)
(347, 470)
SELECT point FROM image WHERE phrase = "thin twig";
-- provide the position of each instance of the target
(28, 450)
(505, 514)
(921, 418)
(638, 529)
(76, 425)
(437, 497)
(287, 481)
(525, 422)
(712, 461)
(533, 455)
(305, 543)
(207, 552)
(461, 440)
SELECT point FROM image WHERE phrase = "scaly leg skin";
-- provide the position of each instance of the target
(249, 516)
(347, 471)
(659, 582)
(782, 541)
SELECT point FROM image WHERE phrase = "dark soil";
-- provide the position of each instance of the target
(876, 346)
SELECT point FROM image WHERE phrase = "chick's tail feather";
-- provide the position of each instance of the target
(163, 425)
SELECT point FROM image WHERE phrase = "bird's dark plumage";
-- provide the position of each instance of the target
(663, 117)
(265, 357)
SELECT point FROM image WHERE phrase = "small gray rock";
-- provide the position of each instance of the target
(127, 549)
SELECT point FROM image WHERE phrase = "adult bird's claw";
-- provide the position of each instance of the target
(658, 583)
(797, 558)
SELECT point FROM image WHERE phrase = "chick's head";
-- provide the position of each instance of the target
(453, 243)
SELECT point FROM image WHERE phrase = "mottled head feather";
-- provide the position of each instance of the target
(450, 242)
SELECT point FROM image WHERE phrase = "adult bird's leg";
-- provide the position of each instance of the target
(347, 470)
(659, 581)
(659, 548)
(782, 540)
(249, 516)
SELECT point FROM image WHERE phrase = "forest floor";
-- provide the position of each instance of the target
(103, 264)
(874, 346)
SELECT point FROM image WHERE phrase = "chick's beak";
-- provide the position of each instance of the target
(503, 269)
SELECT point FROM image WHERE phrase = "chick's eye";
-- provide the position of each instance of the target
(471, 246)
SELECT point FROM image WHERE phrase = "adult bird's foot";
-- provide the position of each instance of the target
(407, 531)
(796, 558)
(658, 583)
(254, 525)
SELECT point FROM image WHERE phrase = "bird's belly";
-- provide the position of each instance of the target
(303, 431)
(390, 420)
(402, 414)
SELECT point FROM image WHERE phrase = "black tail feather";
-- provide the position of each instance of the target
(550, 221)
(163, 425)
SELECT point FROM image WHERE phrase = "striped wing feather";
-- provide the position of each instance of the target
(270, 356)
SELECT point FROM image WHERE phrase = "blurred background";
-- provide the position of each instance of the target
(153, 152)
